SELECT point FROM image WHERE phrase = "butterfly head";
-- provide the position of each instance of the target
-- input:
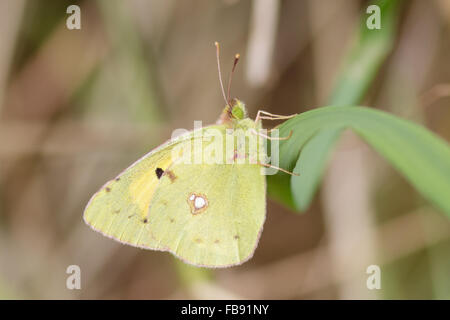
(233, 112)
(237, 110)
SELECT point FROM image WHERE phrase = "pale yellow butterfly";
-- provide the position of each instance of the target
(207, 214)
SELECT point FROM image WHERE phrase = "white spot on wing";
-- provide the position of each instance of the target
(199, 202)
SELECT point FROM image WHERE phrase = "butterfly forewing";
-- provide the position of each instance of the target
(119, 208)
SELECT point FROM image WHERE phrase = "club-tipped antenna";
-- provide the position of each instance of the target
(236, 60)
(220, 73)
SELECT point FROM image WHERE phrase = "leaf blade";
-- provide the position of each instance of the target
(358, 71)
(310, 166)
(421, 156)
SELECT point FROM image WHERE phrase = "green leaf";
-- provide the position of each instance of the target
(421, 156)
(279, 190)
(358, 71)
(366, 57)
(310, 164)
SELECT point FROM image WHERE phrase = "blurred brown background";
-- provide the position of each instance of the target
(78, 106)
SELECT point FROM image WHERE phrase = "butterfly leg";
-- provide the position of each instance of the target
(271, 138)
(270, 116)
(281, 169)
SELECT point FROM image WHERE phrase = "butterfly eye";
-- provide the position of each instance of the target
(237, 113)
(238, 110)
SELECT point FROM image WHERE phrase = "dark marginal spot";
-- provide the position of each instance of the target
(159, 172)
(236, 237)
(172, 220)
(117, 179)
(117, 211)
(217, 241)
(108, 189)
(145, 220)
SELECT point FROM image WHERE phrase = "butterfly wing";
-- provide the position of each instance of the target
(224, 229)
(143, 209)
(119, 208)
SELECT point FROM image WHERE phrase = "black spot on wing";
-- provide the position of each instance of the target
(159, 172)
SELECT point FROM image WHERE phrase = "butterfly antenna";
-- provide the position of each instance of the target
(236, 60)
(220, 73)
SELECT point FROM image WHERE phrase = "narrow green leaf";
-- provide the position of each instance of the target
(366, 56)
(317, 152)
(421, 156)
(279, 190)
(358, 71)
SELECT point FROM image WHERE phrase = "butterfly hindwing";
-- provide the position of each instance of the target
(224, 229)
(206, 214)
(210, 214)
